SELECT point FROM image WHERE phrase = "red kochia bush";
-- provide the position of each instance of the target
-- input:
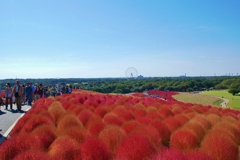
(130, 125)
(56, 110)
(148, 131)
(135, 147)
(101, 111)
(46, 134)
(197, 155)
(35, 122)
(112, 118)
(170, 154)
(213, 119)
(184, 139)
(202, 120)
(84, 116)
(219, 146)
(163, 131)
(112, 135)
(64, 147)
(172, 123)
(67, 121)
(94, 149)
(165, 112)
(95, 125)
(76, 133)
(196, 128)
(32, 154)
(23, 142)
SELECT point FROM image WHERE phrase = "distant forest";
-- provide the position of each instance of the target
(121, 85)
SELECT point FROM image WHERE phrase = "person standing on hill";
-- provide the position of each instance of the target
(29, 93)
(41, 90)
(8, 95)
(37, 93)
(46, 92)
(18, 91)
(53, 91)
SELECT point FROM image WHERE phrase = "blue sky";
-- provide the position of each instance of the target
(102, 38)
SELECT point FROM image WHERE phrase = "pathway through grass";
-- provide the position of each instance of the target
(234, 101)
(198, 99)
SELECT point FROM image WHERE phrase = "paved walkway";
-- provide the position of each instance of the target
(224, 103)
(9, 118)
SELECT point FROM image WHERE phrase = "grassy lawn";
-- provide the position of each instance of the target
(234, 101)
(198, 99)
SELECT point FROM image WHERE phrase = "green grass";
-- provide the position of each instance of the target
(198, 99)
(234, 101)
(218, 103)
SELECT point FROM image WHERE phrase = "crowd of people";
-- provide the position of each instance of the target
(28, 93)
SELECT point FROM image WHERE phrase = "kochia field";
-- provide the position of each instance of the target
(93, 126)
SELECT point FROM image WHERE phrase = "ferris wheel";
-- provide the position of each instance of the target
(131, 73)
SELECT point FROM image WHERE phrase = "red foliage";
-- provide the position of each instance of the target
(184, 139)
(64, 148)
(197, 155)
(112, 118)
(229, 130)
(35, 122)
(56, 110)
(218, 146)
(76, 133)
(130, 125)
(213, 119)
(128, 150)
(148, 131)
(46, 134)
(90, 125)
(93, 148)
(201, 119)
(165, 112)
(95, 125)
(32, 154)
(112, 135)
(84, 116)
(101, 111)
(66, 121)
(170, 154)
(196, 128)
(163, 131)
(172, 123)
(182, 119)
(23, 142)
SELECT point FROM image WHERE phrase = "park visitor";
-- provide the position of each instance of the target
(46, 92)
(18, 91)
(53, 91)
(8, 96)
(29, 93)
(37, 93)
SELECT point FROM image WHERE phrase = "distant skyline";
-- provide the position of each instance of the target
(102, 38)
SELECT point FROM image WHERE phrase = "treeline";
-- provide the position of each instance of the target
(121, 85)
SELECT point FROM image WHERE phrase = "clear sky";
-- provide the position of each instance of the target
(102, 38)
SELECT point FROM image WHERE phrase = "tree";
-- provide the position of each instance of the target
(234, 91)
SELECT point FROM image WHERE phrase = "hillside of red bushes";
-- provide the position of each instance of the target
(94, 126)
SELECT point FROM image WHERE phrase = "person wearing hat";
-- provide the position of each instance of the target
(8, 95)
